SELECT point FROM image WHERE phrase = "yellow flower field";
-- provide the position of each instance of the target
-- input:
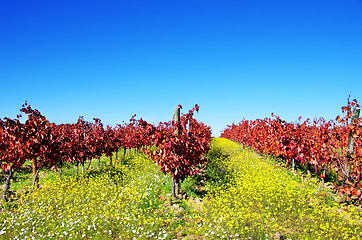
(263, 201)
(253, 199)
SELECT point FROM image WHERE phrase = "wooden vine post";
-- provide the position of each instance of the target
(89, 163)
(7, 184)
(350, 146)
(175, 180)
(34, 164)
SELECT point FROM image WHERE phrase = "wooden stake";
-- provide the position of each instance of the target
(175, 181)
(174, 187)
(36, 179)
(7, 184)
(89, 163)
(350, 146)
(34, 164)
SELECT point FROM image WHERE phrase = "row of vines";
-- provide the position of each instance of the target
(333, 146)
(179, 145)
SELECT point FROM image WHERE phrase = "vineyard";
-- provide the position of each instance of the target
(238, 189)
(180, 143)
(322, 146)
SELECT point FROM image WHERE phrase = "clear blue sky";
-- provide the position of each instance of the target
(244, 58)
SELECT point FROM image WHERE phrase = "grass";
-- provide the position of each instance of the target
(23, 178)
(243, 196)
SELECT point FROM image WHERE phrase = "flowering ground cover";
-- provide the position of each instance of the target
(264, 201)
(248, 197)
(119, 201)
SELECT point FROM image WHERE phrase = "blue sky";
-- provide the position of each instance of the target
(245, 58)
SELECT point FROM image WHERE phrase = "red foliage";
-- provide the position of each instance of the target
(180, 149)
(50, 145)
(38, 138)
(12, 145)
(320, 142)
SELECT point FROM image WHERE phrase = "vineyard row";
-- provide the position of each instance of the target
(334, 146)
(180, 144)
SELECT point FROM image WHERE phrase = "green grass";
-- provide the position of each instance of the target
(23, 178)
(244, 196)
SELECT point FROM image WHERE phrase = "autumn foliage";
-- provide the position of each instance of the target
(319, 143)
(50, 145)
(180, 146)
